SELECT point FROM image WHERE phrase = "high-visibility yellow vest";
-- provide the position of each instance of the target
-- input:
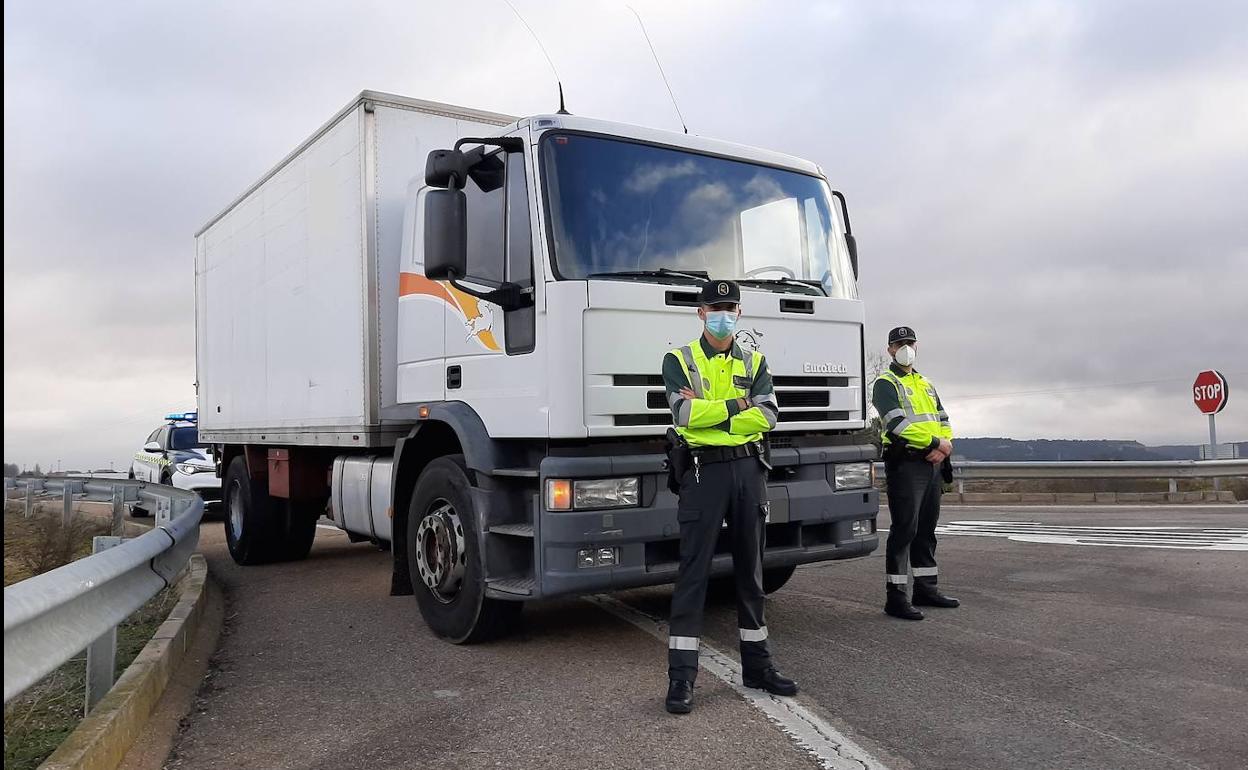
(710, 421)
(920, 410)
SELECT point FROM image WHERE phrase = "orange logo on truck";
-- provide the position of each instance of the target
(478, 320)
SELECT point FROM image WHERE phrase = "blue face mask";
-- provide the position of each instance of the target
(721, 323)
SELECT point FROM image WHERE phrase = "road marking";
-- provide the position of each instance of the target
(1075, 507)
(811, 734)
(1178, 538)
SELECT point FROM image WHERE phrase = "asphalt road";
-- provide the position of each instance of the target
(1113, 647)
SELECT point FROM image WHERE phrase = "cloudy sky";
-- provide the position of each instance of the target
(1051, 193)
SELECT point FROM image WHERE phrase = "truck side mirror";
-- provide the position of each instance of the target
(853, 252)
(447, 168)
(446, 234)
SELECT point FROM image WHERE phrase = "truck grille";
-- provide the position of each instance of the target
(802, 398)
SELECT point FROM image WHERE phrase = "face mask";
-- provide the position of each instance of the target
(905, 355)
(721, 323)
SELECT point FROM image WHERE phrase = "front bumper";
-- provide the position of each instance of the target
(206, 485)
(809, 522)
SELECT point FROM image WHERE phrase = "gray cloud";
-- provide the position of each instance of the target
(1050, 192)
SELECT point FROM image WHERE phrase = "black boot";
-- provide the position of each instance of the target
(771, 680)
(930, 596)
(679, 697)
(899, 606)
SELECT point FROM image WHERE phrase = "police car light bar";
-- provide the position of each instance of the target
(183, 416)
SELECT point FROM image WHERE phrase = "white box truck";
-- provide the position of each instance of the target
(443, 328)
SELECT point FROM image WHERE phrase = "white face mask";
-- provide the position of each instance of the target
(905, 355)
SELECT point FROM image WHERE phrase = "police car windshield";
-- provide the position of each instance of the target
(620, 207)
(184, 438)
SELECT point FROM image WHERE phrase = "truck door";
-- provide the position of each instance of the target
(490, 363)
(422, 312)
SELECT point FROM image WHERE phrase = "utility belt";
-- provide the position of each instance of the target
(899, 452)
(723, 454)
(681, 457)
(896, 452)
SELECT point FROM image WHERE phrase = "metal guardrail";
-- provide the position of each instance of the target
(52, 617)
(1111, 469)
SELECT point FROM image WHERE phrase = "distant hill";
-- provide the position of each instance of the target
(1043, 450)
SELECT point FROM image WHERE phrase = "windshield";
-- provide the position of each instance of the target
(185, 438)
(619, 206)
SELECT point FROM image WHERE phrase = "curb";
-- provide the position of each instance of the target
(100, 741)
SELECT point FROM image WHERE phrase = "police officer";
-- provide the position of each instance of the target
(917, 443)
(722, 403)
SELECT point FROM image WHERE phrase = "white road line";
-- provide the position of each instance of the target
(1176, 538)
(833, 750)
(1076, 507)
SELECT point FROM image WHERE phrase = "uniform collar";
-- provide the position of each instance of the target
(897, 370)
(711, 352)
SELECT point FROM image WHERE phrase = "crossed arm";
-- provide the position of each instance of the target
(756, 413)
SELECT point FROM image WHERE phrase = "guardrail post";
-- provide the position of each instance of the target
(102, 654)
(119, 511)
(164, 511)
(67, 500)
(30, 500)
(1174, 486)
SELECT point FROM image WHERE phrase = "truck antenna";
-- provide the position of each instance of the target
(559, 81)
(659, 64)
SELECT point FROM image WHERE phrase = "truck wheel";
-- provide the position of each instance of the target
(253, 528)
(775, 578)
(444, 558)
(300, 524)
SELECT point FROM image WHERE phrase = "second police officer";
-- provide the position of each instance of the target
(722, 405)
(917, 443)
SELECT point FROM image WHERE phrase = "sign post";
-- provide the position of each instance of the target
(1210, 394)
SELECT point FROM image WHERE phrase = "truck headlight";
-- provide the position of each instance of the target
(590, 494)
(191, 469)
(853, 475)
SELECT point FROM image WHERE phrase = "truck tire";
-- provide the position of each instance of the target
(300, 521)
(253, 526)
(444, 558)
(723, 590)
(775, 578)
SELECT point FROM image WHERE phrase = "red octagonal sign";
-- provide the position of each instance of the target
(1210, 392)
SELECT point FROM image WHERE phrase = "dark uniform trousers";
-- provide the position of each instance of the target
(914, 489)
(735, 490)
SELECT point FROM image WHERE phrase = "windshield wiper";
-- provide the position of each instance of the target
(662, 272)
(811, 287)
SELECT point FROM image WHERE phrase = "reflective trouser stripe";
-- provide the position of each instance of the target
(924, 571)
(898, 579)
(753, 634)
(682, 643)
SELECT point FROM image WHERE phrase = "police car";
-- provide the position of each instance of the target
(173, 455)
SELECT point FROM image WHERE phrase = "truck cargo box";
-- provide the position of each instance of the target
(296, 281)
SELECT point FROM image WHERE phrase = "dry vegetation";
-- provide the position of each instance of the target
(38, 720)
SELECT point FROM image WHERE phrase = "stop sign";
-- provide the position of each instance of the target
(1210, 392)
